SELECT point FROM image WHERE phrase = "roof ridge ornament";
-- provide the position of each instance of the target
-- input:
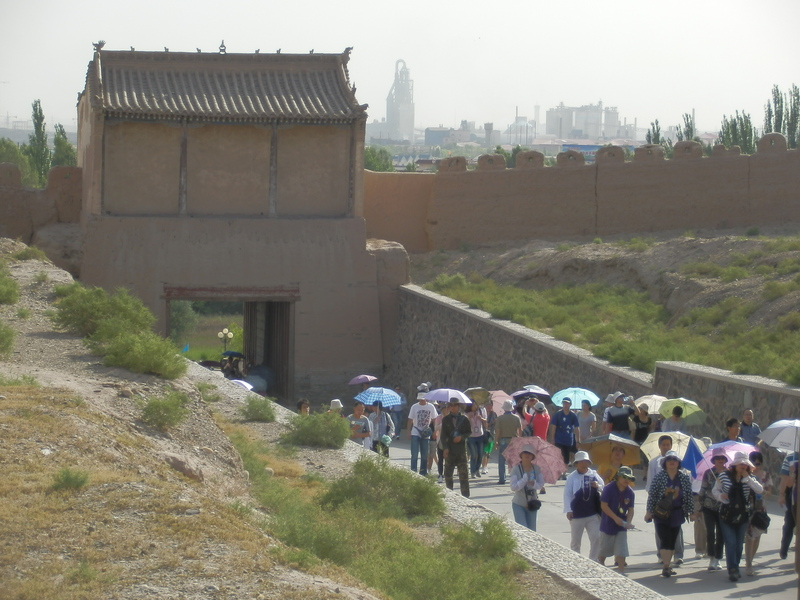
(222, 48)
(98, 45)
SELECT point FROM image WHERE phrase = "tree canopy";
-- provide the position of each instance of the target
(377, 159)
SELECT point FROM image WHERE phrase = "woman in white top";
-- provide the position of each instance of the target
(526, 481)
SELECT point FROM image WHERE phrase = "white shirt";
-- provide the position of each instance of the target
(421, 416)
(574, 484)
(653, 469)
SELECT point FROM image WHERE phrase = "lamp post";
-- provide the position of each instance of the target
(225, 335)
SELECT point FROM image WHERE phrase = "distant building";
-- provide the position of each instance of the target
(591, 121)
(400, 105)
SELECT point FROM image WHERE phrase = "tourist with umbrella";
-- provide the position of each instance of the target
(670, 503)
(548, 457)
(784, 435)
(609, 452)
(708, 505)
(526, 480)
(691, 413)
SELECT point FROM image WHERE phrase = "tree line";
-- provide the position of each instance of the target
(781, 115)
(35, 158)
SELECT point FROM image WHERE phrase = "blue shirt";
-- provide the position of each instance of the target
(565, 425)
(749, 433)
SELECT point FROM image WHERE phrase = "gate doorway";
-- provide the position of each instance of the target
(269, 344)
(268, 330)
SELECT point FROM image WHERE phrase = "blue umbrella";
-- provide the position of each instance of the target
(692, 456)
(233, 354)
(577, 395)
(383, 395)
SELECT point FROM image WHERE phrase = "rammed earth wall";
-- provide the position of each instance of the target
(451, 345)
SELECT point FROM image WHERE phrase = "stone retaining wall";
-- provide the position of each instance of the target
(451, 345)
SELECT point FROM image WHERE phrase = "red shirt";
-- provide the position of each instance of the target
(541, 421)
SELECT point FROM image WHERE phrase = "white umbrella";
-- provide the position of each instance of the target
(783, 435)
(653, 402)
(444, 395)
(680, 442)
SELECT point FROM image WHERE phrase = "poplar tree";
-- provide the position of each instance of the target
(37, 150)
(64, 154)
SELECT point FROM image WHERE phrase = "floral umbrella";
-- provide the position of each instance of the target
(548, 457)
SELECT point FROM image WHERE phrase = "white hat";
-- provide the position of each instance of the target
(581, 455)
(529, 449)
(508, 406)
(741, 458)
(336, 404)
(539, 407)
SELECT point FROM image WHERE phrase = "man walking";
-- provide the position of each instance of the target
(615, 417)
(507, 426)
(749, 431)
(420, 430)
(455, 431)
(564, 430)
(582, 504)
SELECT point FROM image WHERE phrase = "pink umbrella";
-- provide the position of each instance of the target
(731, 448)
(361, 379)
(548, 457)
(498, 398)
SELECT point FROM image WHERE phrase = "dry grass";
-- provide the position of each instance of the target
(130, 519)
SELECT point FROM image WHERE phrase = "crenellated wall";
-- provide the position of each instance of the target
(572, 198)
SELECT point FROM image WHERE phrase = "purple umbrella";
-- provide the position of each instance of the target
(731, 448)
(361, 379)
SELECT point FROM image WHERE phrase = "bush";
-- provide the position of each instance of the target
(29, 253)
(143, 352)
(491, 539)
(376, 487)
(68, 479)
(22, 380)
(9, 289)
(323, 430)
(258, 409)
(7, 336)
(167, 411)
(208, 392)
(82, 309)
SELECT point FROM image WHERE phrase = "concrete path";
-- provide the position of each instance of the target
(775, 579)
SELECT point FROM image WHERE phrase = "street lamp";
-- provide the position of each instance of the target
(225, 335)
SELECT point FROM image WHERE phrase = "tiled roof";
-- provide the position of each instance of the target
(308, 88)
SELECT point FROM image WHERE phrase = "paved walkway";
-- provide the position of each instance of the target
(775, 580)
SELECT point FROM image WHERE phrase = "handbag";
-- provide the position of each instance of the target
(663, 509)
(760, 520)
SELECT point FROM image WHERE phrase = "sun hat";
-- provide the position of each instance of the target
(741, 458)
(612, 397)
(581, 455)
(508, 406)
(421, 395)
(336, 404)
(626, 473)
(719, 453)
(529, 449)
(670, 455)
(424, 387)
(386, 440)
(539, 407)
(644, 407)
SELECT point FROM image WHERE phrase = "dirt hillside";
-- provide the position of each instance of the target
(647, 262)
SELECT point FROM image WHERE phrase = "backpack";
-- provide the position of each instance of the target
(735, 511)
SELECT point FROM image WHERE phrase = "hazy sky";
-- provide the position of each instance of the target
(472, 60)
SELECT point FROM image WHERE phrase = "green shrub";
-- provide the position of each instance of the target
(9, 289)
(752, 232)
(41, 277)
(597, 240)
(22, 380)
(376, 487)
(701, 269)
(24, 313)
(82, 309)
(208, 392)
(322, 430)
(491, 539)
(7, 336)
(731, 273)
(69, 479)
(143, 352)
(167, 411)
(29, 253)
(258, 408)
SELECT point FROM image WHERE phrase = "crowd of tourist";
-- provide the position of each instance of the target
(725, 502)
